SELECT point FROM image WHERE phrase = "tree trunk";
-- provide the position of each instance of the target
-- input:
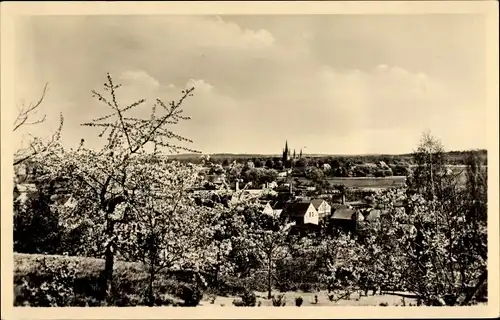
(107, 279)
(151, 297)
(269, 278)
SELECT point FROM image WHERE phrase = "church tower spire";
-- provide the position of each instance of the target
(286, 154)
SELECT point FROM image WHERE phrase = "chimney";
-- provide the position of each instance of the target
(237, 185)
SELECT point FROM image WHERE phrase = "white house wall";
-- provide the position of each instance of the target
(311, 215)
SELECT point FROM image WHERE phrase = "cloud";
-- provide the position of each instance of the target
(199, 85)
(262, 82)
(139, 78)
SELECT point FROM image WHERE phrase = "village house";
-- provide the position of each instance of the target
(345, 217)
(300, 212)
(268, 209)
(322, 207)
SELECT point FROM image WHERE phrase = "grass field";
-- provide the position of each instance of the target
(364, 182)
(369, 182)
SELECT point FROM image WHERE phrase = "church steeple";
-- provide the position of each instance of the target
(286, 154)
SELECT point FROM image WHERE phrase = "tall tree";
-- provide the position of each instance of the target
(430, 161)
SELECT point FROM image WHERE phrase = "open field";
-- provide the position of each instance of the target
(369, 182)
(364, 182)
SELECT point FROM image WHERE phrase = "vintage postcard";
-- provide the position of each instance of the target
(249, 159)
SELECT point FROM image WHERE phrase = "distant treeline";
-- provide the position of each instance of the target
(453, 158)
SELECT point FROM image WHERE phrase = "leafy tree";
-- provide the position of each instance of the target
(270, 163)
(302, 163)
(359, 172)
(278, 164)
(315, 174)
(259, 163)
(249, 165)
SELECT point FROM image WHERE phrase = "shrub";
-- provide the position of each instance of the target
(298, 301)
(249, 299)
(191, 294)
(279, 300)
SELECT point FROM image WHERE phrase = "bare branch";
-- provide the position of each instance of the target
(26, 113)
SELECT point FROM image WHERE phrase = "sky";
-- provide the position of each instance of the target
(331, 84)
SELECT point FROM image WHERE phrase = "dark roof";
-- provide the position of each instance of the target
(343, 214)
(317, 202)
(295, 209)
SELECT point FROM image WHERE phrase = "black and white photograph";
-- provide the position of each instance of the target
(237, 160)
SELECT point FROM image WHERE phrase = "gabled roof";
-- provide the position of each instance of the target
(295, 209)
(343, 214)
(317, 202)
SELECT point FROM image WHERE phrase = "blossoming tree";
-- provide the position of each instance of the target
(101, 182)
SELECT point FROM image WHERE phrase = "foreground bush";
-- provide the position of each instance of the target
(298, 301)
(279, 300)
(249, 299)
